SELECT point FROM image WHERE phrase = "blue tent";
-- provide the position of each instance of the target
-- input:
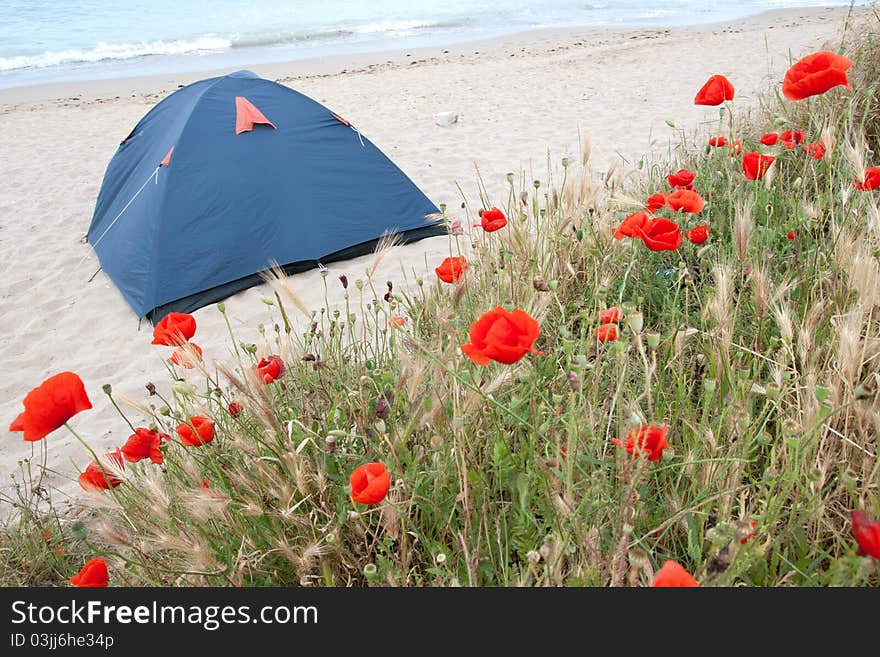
(228, 175)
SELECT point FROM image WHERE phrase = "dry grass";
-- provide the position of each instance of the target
(760, 352)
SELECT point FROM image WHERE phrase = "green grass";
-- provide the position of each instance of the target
(761, 353)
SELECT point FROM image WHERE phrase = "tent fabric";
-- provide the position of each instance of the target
(176, 234)
(246, 116)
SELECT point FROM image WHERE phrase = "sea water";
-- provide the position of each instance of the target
(55, 40)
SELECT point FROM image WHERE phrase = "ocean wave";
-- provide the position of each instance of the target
(380, 27)
(108, 51)
(364, 30)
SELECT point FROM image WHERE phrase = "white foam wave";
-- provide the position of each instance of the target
(105, 51)
(390, 26)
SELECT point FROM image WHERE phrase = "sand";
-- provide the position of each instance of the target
(517, 98)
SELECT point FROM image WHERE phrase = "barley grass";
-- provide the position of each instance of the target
(760, 352)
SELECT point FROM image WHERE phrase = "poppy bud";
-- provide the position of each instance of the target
(540, 284)
(344, 280)
(107, 388)
(382, 409)
(267, 300)
(574, 381)
(221, 307)
(510, 178)
(636, 322)
(150, 388)
(182, 388)
(443, 208)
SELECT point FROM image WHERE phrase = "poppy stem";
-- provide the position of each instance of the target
(231, 334)
(104, 473)
(82, 442)
(471, 386)
(109, 394)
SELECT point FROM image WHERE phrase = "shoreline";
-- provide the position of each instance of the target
(537, 93)
(525, 42)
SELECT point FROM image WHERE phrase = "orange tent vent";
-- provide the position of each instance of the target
(247, 115)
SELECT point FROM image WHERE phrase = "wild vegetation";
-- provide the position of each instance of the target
(736, 366)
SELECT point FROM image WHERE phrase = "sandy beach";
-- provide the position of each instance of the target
(516, 98)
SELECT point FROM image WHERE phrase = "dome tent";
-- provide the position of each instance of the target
(228, 175)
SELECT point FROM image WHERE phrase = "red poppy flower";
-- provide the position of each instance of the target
(452, 269)
(97, 477)
(661, 235)
(791, 138)
(755, 165)
(50, 405)
(610, 315)
(235, 408)
(369, 483)
(815, 74)
(648, 440)
(816, 149)
(752, 533)
(93, 575)
(144, 444)
(717, 142)
(867, 534)
(174, 329)
(182, 355)
(502, 336)
(716, 90)
(199, 430)
(673, 575)
(629, 227)
(871, 180)
(698, 234)
(492, 220)
(734, 148)
(791, 235)
(397, 320)
(770, 139)
(685, 200)
(654, 203)
(681, 178)
(269, 369)
(606, 333)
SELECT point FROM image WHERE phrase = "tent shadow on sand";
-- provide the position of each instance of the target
(229, 175)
